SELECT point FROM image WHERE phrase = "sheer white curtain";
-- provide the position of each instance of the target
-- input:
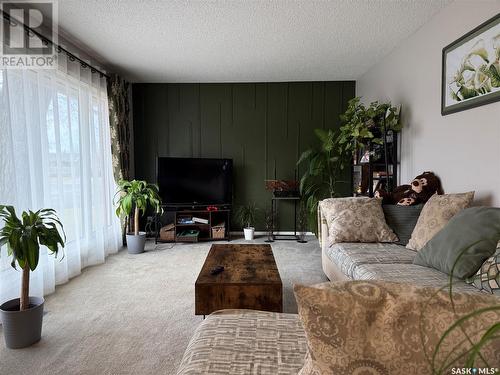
(55, 153)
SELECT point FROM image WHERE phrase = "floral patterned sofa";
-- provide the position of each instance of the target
(377, 261)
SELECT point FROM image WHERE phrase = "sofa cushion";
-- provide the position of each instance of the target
(436, 213)
(461, 247)
(402, 220)
(349, 255)
(487, 278)
(354, 219)
(376, 327)
(409, 273)
(246, 342)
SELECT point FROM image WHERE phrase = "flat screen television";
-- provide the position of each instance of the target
(195, 181)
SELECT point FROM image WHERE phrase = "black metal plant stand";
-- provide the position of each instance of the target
(274, 212)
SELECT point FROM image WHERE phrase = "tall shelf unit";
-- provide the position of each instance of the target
(375, 166)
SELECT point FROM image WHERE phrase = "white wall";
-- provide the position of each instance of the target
(462, 148)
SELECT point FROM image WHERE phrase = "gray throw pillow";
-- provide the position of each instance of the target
(472, 234)
(402, 220)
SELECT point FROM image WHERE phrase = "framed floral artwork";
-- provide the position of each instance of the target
(471, 69)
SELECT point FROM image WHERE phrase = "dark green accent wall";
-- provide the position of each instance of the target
(263, 127)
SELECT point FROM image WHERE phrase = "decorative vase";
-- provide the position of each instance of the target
(22, 328)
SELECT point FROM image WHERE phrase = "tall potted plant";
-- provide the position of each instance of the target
(135, 196)
(246, 216)
(324, 164)
(322, 167)
(22, 317)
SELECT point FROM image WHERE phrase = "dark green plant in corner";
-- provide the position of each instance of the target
(22, 318)
(322, 166)
(360, 125)
(135, 196)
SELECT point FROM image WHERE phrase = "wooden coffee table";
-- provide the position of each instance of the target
(250, 280)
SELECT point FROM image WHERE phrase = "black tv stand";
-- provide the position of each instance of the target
(174, 213)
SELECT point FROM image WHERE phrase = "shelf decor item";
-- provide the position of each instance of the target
(246, 215)
(189, 235)
(167, 233)
(22, 317)
(219, 231)
(471, 69)
(283, 188)
(135, 196)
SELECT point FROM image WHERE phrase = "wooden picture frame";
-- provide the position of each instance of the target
(471, 69)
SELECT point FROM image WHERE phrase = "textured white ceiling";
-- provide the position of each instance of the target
(238, 41)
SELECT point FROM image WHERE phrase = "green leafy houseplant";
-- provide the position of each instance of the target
(23, 237)
(135, 196)
(246, 216)
(324, 164)
(362, 124)
(322, 167)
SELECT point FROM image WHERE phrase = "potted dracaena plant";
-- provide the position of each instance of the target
(135, 196)
(22, 317)
(246, 216)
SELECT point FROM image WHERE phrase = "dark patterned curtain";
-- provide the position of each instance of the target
(118, 98)
(118, 102)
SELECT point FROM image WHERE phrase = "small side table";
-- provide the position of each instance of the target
(274, 213)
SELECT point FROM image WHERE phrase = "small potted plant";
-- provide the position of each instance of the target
(246, 217)
(22, 317)
(134, 197)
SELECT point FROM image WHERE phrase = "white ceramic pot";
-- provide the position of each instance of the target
(249, 232)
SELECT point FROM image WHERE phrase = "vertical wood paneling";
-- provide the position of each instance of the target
(263, 127)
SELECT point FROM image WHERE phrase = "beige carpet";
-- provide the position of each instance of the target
(135, 313)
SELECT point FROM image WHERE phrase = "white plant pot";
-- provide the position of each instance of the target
(249, 233)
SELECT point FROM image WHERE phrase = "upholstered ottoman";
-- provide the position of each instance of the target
(246, 342)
